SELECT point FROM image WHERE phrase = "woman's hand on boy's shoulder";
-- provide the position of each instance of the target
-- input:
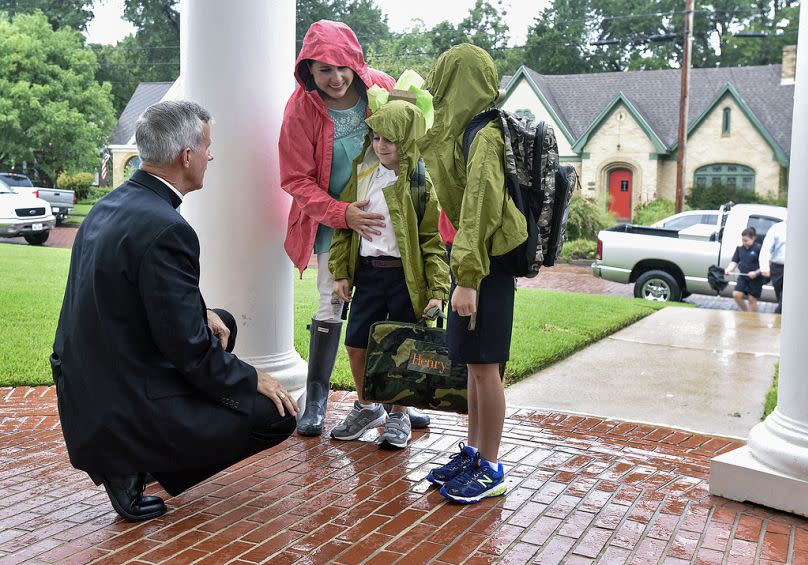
(342, 289)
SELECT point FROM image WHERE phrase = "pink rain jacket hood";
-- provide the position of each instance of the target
(307, 137)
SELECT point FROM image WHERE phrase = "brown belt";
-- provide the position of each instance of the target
(380, 263)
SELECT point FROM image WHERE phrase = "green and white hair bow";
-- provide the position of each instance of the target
(410, 88)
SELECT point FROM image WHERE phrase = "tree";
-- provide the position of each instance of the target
(556, 43)
(60, 13)
(53, 114)
(364, 17)
(409, 50)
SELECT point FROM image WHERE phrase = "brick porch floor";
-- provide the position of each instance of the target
(583, 490)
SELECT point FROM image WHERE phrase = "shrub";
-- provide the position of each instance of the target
(80, 183)
(96, 194)
(579, 249)
(587, 217)
(712, 197)
(653, 211)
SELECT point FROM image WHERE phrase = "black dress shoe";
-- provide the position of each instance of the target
(126, 495)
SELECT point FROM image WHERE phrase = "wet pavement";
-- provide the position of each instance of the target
(582, 490)
(702, 370)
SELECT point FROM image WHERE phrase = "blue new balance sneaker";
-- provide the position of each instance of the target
(458, 464)
(481, 481)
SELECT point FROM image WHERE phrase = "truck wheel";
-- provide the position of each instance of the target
(37, 238)
(659, 286)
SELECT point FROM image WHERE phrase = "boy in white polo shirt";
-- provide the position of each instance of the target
(398, 275)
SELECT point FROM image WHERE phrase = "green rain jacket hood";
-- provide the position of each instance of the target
(463, 83)
(422, 251)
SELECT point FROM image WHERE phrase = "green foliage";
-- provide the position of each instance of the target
(80, 183)
(771, 396)
(653, 211)
(409, 50)
(712, 197)
(579, 249)
(152, 54)
(545, 331)
(74, 14)
(564, 36)
(364, 17)
(587, 217)
(53, 114)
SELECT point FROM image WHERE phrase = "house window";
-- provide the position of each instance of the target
(728, 174)
(525, 113)
(726, 122)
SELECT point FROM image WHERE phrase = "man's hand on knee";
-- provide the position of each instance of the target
(218, 327)
(276, 392)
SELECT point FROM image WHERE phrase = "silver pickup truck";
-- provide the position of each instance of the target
(668, 265)
(61, 201)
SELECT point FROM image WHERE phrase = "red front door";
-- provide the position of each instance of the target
(620, 194)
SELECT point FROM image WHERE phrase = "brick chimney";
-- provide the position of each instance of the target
(789, 69)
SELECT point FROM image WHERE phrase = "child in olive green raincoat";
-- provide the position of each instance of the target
(398, 275)
(474, 197)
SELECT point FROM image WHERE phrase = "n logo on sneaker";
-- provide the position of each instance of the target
(485, 481)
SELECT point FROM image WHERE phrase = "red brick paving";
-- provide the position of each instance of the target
(59, 237)
(582, 490)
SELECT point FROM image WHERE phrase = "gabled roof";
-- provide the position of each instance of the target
(579, 101)
(146, 94)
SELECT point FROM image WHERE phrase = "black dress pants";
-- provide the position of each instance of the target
(777, 271)
(269, 429)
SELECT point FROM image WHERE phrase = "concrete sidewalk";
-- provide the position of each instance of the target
(701, 370)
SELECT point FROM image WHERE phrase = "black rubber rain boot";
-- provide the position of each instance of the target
(418, 420)
(323, 347)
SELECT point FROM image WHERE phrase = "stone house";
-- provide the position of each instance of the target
(620, 129)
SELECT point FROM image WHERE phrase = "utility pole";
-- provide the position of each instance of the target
(683, 102)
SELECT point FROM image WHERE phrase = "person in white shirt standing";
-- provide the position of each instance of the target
(400, 274)
(773, 259)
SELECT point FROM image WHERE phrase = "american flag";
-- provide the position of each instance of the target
(104, 160)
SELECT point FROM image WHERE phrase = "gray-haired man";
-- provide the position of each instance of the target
(144, 376)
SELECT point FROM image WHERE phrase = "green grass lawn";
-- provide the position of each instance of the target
(548, 326)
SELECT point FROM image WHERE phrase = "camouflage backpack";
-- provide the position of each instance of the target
(539, 186)
(408, 364)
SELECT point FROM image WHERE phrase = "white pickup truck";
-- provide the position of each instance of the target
(22, 215)
(61, 201)
(668, 265)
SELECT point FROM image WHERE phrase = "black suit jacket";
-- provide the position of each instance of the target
(142, 383)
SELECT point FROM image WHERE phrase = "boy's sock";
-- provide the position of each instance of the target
(369, 405)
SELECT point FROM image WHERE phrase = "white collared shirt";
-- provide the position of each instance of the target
(385, 245)
(168, 184)
(773, 249)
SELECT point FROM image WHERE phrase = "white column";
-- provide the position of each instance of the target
(237, 60)
(773, 468)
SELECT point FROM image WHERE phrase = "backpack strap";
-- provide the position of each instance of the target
(418, 188)
(477, 123)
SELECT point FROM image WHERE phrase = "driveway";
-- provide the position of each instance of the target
(701, 370)
(59, 237)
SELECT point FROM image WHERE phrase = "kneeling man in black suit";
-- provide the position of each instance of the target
(145, 378)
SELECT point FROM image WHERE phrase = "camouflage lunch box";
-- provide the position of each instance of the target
(408, 364)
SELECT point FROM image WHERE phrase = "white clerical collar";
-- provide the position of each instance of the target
(168, 184)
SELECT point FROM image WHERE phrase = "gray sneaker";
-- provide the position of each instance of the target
(359, 421)
(397, 432)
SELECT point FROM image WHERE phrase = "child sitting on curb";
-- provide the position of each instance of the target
(397, 276)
